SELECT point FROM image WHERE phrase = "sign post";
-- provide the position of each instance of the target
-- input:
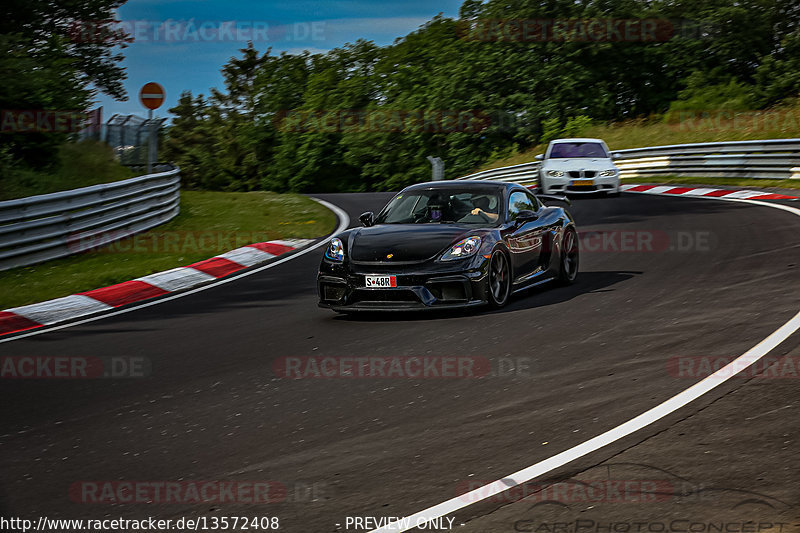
(151, 96)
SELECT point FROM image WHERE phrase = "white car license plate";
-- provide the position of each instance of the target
(381, 282)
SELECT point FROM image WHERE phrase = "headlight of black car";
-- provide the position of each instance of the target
(464, 248)
(335, 251)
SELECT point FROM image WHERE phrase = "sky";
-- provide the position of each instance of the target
(182, 44)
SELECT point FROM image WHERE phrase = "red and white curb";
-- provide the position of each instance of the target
(95, 301)
(701, 192)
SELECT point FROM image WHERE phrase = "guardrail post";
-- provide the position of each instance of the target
(438, 167)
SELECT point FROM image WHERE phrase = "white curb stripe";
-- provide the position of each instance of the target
(662, 189)
(177, 279)
(699, 192)
(60, 309)
(247, 256)
(745, 194)
(293, 242)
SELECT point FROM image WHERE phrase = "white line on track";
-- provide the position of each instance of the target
(344, 223)
(623, 430)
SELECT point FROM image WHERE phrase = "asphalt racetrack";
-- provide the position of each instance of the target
(663, 282)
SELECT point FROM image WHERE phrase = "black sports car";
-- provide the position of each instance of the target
(449, 244)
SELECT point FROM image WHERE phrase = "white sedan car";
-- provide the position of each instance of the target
(578, 166)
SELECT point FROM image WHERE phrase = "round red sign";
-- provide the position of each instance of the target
(152, 95)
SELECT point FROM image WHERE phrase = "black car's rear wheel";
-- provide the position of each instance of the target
(499, 279)
(569, 257)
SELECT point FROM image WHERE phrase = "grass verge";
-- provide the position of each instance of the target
(210, 223)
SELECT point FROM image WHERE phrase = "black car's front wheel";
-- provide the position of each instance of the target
(499, 279)
(569, 257)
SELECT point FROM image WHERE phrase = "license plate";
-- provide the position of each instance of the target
(380, 282)
(583, 183)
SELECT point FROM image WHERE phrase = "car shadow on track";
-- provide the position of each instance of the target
(542, 296)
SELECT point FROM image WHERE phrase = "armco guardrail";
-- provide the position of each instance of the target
(48, 226)
(775, 159)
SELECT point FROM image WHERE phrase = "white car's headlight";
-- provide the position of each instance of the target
(335, 251)
(555, 173)
(465, 248)
(608, 173)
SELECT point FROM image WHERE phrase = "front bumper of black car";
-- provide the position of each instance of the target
(430, 285)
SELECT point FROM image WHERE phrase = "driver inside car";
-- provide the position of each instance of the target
(483, 209)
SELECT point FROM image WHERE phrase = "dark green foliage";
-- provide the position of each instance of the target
(51, 52)
(291, 122)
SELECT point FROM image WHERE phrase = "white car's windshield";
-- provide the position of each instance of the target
(577, 149)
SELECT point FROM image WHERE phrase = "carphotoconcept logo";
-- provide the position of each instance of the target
(584, 506)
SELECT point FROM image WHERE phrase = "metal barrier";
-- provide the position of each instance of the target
(39, 228)
(769, 159)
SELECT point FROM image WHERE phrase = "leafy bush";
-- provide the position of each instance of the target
(78, 165)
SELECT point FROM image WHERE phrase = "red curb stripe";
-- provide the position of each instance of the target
(272, 248)
(12, 323)
(125, 293)
(217, 267)
(772, 196)
(716, 193)
(722, 192)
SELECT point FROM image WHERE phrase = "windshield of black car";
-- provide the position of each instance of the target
(577, 149)
(443, 206)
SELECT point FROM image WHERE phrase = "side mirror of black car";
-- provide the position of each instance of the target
(555, 197)
(367, 219)
(526, 215)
